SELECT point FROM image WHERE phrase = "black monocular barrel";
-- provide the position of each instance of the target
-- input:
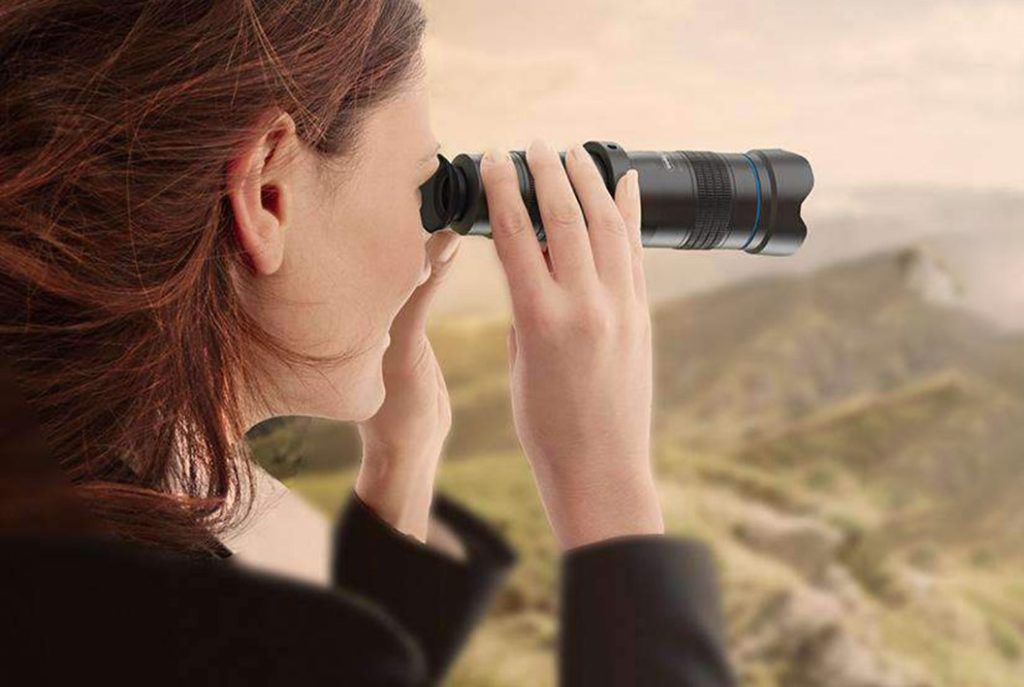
(689, 200)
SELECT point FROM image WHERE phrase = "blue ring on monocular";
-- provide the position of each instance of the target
(757, 187)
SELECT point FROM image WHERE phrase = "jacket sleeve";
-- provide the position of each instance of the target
(436, 597)
(641, 610)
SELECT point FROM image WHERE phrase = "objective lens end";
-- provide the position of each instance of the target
(789, 181)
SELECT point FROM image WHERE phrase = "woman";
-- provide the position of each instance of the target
(210, 217)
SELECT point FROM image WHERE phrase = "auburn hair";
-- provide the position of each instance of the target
(119, 310)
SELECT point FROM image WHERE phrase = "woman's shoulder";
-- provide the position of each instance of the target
(75, 603)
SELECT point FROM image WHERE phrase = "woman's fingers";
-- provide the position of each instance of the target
(512, 232)
(606, 228)
(591, 236)
(627, 199)
(564, 222)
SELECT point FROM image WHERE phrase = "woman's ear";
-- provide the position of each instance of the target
(260, 180)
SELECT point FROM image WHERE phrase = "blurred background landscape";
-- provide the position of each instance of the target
(844, 427)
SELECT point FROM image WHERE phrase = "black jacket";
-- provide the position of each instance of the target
(637, 610)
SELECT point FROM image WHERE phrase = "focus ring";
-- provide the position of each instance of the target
(714, 200)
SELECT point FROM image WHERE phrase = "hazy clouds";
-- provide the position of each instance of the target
(905, 91)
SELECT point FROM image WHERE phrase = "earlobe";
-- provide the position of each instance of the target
(259, 199)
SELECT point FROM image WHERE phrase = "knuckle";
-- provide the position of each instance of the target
(590, 319)
(532, 311)
(512, 220)
(566, 213)
(613, 224)
(540, 323)
(594, 320)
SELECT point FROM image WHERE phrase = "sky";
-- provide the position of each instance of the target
(910, 112)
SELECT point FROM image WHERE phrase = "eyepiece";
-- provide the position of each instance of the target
(689, 200)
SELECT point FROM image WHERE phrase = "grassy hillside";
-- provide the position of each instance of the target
(851, 452)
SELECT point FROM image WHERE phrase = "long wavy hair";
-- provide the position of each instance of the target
(119, 308)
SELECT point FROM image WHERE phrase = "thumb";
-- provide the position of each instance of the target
(441, 249)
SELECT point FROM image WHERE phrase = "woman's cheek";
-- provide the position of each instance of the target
(403, 261)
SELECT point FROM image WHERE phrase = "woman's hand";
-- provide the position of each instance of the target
(402, 442)
(580, 358)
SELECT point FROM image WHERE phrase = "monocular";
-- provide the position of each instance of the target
(689, 200)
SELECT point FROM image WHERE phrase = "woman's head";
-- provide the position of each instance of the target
(209, 214)
(332, 254)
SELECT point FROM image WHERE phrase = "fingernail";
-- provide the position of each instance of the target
(539, 145)
(494, 155)
(634, 182)
(582, 155)
(448, 251)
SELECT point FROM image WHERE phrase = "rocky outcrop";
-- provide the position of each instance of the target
(805, 544)
(808, 631)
